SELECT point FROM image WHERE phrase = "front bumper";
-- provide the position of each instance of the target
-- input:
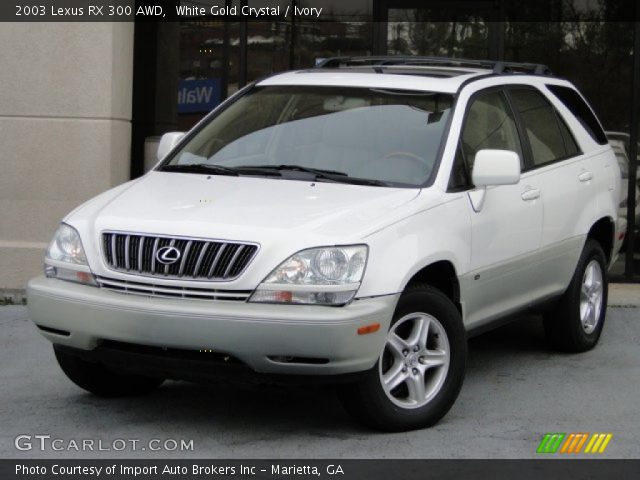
(261, 336)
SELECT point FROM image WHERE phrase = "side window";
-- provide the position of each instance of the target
(489, 124)
(543, 127)
(570, 144)
(459, 179)
(581, 110)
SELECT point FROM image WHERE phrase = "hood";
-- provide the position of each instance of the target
(246, 208)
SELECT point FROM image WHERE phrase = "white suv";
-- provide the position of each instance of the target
(354, 222)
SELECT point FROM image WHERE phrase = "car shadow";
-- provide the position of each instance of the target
(523, 334)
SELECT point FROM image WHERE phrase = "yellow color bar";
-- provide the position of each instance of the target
(598, 443)
(591, 442)
(605, 443)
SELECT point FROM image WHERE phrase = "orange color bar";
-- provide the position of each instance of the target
(567, 442)
(581, 442)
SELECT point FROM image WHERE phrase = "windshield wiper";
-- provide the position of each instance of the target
(215, 169)
(318, 174)
(201, 168)
(322, 174)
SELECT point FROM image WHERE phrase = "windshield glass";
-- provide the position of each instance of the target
(390, 136)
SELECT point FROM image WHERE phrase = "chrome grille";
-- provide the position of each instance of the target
(168, 291)
(199, 259)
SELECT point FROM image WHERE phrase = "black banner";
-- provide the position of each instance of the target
(543, 469)
(315, 10)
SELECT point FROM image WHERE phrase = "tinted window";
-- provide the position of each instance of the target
(570, 144)
(459, 179)
(489, 124)
(541, 124)
(581, 110)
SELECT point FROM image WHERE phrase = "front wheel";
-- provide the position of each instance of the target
(421, 367)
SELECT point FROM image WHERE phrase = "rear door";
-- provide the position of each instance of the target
(566, 181)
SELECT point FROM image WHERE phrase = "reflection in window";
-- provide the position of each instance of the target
(387, 135)
(419, 32)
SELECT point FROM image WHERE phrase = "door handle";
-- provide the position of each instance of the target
(530, 194)
(585, 176)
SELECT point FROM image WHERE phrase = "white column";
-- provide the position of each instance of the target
(65, 130)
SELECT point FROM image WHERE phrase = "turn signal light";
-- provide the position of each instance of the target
(374, 327)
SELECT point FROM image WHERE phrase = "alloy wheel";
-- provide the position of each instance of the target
(415, 360)
(591, 295)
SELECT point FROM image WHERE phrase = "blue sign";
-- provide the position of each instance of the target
(196, 96)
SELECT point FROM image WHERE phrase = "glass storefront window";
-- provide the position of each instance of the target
(267, 48)
(435, 31)
(319, 40)
(345, 30)
(461, 39)
(204, 79)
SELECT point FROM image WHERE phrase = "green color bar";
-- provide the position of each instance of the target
(543, 443)
(558, 442)
(550, 442)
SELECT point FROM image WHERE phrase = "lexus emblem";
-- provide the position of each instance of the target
(168, 255)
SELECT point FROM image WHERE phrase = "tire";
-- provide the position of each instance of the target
(100, 380)
(439, 368)
(575, 324)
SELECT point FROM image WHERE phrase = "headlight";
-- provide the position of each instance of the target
(66, 246)
(321, 276)
(65, 258)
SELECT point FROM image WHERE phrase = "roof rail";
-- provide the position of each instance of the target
(377, 62)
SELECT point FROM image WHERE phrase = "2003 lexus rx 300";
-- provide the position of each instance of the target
(357, 220)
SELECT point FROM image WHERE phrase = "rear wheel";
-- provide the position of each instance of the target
(421, 367)
(102, 381)
(576, 323)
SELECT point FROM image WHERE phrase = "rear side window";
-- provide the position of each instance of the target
(548, 136)
(570, 144)
(581, 110)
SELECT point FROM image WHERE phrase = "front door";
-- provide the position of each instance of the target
(506, 231)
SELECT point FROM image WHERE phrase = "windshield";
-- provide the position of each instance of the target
(390, 137)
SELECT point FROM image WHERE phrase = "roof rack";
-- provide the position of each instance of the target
(379, 62)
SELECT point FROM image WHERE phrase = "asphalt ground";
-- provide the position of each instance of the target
(515, 391)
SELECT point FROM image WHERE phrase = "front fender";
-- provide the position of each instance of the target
(399, 251)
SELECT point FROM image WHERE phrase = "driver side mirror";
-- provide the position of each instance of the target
(492, 168)
(495, 167)
(167, 142)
